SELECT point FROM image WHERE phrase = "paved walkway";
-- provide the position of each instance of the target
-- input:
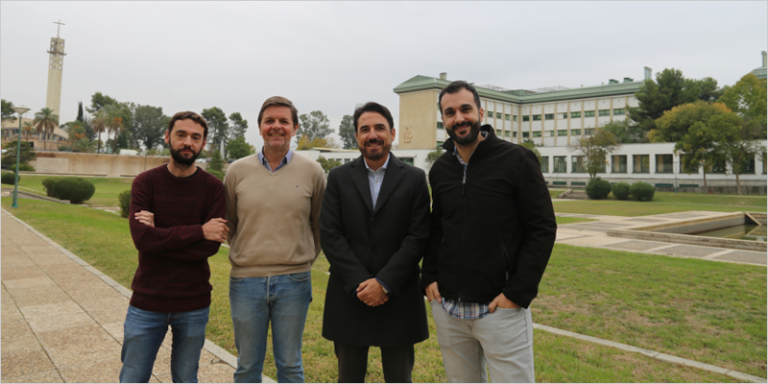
(593, 234)
(62, 320)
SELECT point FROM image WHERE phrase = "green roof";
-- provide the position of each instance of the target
(421, 83)
(759, 72)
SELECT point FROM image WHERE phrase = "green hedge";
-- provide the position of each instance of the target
(620, 191)
(124, 199)
(48, 185)
(598, 189)
(9, 178)
(75, 189)
(642, 191)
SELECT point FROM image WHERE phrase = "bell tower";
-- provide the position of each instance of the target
(55, 68)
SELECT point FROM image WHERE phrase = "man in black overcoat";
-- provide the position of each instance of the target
(374, 230)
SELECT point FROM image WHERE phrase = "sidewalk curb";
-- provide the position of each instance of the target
(210, 346)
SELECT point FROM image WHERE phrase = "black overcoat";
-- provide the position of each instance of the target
(387, 242)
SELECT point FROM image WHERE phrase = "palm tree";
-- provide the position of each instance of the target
(45, 122)
(99, 124)
(27, 128)
(114, 122)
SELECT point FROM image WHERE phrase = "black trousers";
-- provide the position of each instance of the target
(397, 363)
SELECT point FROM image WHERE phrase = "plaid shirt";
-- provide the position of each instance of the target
(465, 311)
(458, 309)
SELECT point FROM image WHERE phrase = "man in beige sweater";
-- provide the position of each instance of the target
(273, 211)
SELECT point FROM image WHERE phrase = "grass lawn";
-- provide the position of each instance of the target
(664, 202)
(706, 311)
(571, 220)
(107, 188)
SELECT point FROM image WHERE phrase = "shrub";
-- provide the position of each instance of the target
(74, 189)
(65, 148)
(219, 175)
(48, 185)
(620, 190)
(9, 178)
(124, 199)
(598, 189)
(22, 167)
(642, 191)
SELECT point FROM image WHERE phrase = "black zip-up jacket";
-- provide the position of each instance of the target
(492, 229)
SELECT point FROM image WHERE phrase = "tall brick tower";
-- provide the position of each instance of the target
(55, 67)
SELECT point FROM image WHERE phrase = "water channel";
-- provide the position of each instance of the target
(740, 232)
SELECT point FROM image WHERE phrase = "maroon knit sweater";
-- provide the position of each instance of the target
(173, 267)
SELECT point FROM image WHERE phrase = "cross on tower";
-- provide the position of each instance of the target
(58, 28)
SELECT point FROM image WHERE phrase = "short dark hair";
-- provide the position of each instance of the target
(191, 116)
(455, 87)
(373, 107)
(279, 101)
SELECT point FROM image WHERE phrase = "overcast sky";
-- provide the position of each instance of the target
(331, 56)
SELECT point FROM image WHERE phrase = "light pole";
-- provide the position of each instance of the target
(20, 110)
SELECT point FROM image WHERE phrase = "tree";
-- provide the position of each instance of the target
(700, 131)
(314, 125)
(347, 132)
(83, 145)
(328, 164)
(149, 125)
(654, 97)
(7, 110)
(99, 124)
(26, 155)
(707, 89)
(27, 128)
(218, 127)
(80, 111)
(216, 163)
(596, 148)
(624, 131)
(239, 126)
(433, 156)
(238, 148)
(305, 144)
(748, 98)
(99, 101)
(45, 122)
(115, 123)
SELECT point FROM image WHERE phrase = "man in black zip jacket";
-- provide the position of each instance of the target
(492, 232)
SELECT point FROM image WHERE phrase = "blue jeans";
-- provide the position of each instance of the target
(145, 331)
(255, 301)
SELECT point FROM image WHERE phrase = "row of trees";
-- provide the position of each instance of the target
(710, 126)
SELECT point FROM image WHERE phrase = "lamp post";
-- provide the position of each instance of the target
(20, 110)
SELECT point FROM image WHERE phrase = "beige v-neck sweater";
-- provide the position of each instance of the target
(273, 217)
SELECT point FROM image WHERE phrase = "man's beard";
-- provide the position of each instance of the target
(468, 139)
(181, 160)
(384, 149)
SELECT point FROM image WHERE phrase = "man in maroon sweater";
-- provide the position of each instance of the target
(176, 220)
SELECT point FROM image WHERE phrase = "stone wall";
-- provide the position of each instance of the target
(95, 164)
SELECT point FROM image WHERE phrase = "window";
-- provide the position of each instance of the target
(578, 164)
(498, 115)
(764, 158)
(506, 133)
(514, 117)
(536, 133)
(551, 133)
(619, 164)
(439, 125)
(718, 167)
(490, 113)
(526, 118)
(549, 116)
(664, 164)
(506, 116)
(514, 134)
(525, 135)
(575, 115)
(536, 117)
(407, 160)
(589, 131)
(544, 164)
(498, 132)
(560, 165)
(641, 164)
(589, 113)
(604, 112)
(575, 132)
(562, 132)
(440, 144)
(565, 115)
(619, 111)
(347, 160)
